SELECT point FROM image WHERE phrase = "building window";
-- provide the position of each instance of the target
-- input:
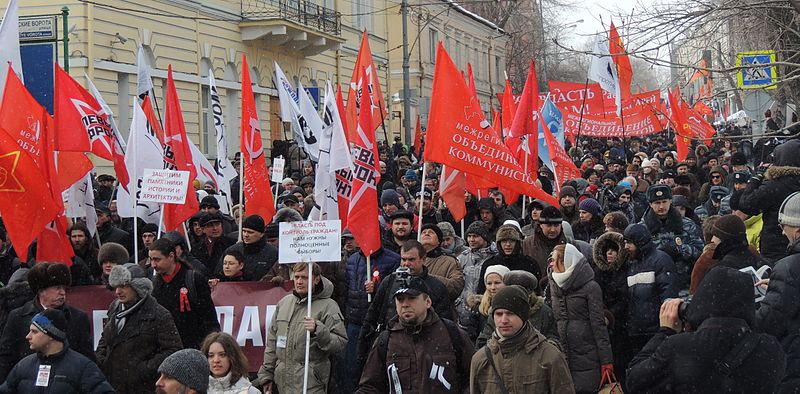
(498, 69)
(434, 42)
(363, 14)
(458, 54)
(123, 104)
(206, 116)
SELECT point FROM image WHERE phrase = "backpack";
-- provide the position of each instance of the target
(452, 330)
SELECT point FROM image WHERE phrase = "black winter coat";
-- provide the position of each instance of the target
(613, 280)
(195, 322)
(70, 372)
(578, 309)
(736, 253)
(258, 258)
(766, 197)
(779, 311)
(686, 363)
(130, 358)
(14, 347)
(211, 260)
(111, 233)
(514, 261)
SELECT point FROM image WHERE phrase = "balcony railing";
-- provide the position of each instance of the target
(303, 12)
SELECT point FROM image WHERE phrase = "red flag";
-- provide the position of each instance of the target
(177, 156)
(343, 177)
(703, 109)
(418, 137)
(509, 107)
(354, 95)
(257, 194)
(700, 127)
(563, 167)
(524, 131)
(452, 185)
(81, 123)
(681, 125)
(364, 195)
(53, 243)
(152, 120)
(620, 56)
(465, 140)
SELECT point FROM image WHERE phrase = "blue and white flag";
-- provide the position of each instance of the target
(555, 122)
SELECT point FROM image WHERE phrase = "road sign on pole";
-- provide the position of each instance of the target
(757, 70)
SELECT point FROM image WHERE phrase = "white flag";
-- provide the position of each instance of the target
(144, 151)
(80, 202)
(144, 83)
(310, 123)
(287, 95)
(206, 172)
(9, 44)
(333, 156)
(603, 70)
(222, 166)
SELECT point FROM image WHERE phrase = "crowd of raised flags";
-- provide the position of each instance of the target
(477, 155)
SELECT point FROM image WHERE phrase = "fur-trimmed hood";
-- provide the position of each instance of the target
(776, 172)
(601, 245)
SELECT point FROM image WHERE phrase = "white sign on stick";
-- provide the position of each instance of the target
(164, 186)
(278, 164)
(310, 241)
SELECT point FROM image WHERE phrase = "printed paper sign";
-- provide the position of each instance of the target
(164, 186)
(311, 241)
(277, 169)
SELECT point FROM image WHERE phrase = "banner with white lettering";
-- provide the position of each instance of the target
(244, 310)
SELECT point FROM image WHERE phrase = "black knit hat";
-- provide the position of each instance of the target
(551, 215)
(729, 226)
(738, 159)
(189, 367)
(150, 228)
(271, 231)
(254, 222)
(568, 191)
(210, 202)
(51, 322)
(435, 229)
(512, 298)
(479, 228)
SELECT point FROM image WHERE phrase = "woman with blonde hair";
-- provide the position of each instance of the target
(228, 367)
(493, 279)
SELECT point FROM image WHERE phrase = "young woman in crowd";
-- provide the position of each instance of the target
(227, 365)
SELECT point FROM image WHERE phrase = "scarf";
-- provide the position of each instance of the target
(120, 318)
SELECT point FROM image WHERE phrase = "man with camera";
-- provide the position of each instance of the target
(382, 309)
(718, 352)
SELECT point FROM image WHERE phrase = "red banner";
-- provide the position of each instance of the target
(642, 122)
(244, 310)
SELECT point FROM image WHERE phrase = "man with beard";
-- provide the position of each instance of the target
(48, 282)
(547, 236)
(440, 350)
(110, 233)
(569, 204)
(399, 232)
(83, 247)
(677, 236)
(259, 256)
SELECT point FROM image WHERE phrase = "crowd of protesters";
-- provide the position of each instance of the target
(656, 274)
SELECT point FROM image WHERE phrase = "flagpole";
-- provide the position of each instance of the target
(241, 195)
(308, 333)
(624, 141)
(526, 169)
(161, 219)
(369, 277)
(462, 228)
(186, 236)
(421, 200)
(580, 120)
(383, 125)
(135, 196)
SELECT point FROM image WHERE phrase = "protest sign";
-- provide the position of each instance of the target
(278, 164)
(311, 241)
(164, 186)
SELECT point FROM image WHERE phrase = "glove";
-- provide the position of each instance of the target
(672, 250)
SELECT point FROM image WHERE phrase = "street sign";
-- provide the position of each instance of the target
(758, 70)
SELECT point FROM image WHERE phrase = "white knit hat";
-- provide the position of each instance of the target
(498, 269)
(789, 214)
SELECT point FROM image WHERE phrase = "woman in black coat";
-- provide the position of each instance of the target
(722, 313)
(577, 303)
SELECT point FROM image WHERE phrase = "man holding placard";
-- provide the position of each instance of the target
(283, 365)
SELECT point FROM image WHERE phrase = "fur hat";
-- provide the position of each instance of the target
(189, 367)
(514, 299)
(568, 191)
(479, 228)
(716, 193)
(287, 215)
(522, 278)
(659, 192)
(113, 252)
(44, 275)
(508, 232)
(130, 275)
(447, 229)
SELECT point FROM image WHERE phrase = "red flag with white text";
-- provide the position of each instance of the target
(359, 84)
(364, 196)
(257, 194)
(81, 123)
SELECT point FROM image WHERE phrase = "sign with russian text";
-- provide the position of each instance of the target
(642, 122)
(310, 241)
(164, 186)
(278, 164)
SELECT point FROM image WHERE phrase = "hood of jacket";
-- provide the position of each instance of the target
(326, 292)
(786, 154)
(577, 270)
(777, 172)
(638, 234)
(724, 292)
(601, 245)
